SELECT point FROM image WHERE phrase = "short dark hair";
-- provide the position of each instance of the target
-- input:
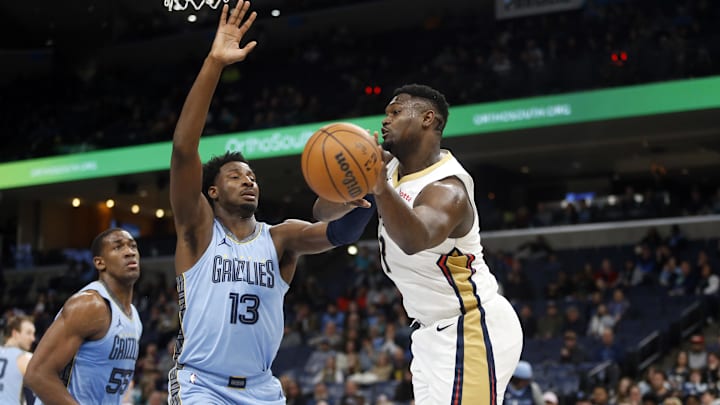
(15, 323)
(212, 167)
(434, 97)
(97, 243)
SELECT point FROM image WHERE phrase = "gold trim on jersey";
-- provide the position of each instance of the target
(250, 238)
(413, 176)
(477, 375)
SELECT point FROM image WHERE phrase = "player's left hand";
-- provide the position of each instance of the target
(381, 182)
(231, 29)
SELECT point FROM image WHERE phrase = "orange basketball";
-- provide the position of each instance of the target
(341, 162)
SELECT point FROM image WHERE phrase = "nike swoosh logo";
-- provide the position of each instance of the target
(440, 329)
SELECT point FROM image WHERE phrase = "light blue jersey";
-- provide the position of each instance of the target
(102, 369)
(11, 379)
(231, 322)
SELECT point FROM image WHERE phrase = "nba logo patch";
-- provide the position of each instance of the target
(193, 378)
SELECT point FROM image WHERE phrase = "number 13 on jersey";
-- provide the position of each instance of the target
(244, 308)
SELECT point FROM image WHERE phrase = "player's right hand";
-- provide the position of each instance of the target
(231, 29)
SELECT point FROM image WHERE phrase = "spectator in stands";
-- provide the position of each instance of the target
(292, 391)
(367, 353)
(522, 389)
(711, 373)
(518, 287)
(600, 395)
(332, 315)
(645, 384)
(329, 334)
(544, 217)
(404, 390)
(166, 361)
(600, 322)
(710, 397)
(686, 281)
(695, 384)
(550, 398)
(669, 273)
(574, 321)
(622, 391)
(679, 372)
(707, 287)
(352, 395)
(330, 373)
(347, 356)
(571, 351)
(584, 282)
(400, 361)
(609, 350)
(635, 397)
(382, 368)
(659, 387)
(318, 357)
(528, 322)
(320, 393)
(646, 264)
(630, 274)
(618, 305)
(606, 277)
(697, 355)
(550, 325)
(565, 285)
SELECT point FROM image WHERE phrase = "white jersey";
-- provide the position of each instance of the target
(446, 280)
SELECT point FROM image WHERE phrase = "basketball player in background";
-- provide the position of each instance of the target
(88, 354)
(429, 238)
(14, 357)
(232, 270)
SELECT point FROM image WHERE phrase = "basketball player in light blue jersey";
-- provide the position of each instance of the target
(14, 358)
(232, 271)
(88, 354)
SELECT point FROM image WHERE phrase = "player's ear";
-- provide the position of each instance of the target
(99, 263)
(212, 192)
(428, 118)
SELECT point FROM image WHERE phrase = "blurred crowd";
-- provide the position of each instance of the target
(472, 58)
(630, 203)
(347, 336)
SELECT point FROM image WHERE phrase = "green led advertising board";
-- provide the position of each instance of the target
(475, 119)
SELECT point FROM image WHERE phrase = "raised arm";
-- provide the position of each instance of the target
(85, 316)
(192, 213)
(441, 210)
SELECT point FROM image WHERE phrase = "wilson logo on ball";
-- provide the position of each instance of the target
(341, 162)
(350, 182)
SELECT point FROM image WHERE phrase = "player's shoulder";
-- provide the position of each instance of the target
(85, 301)
(86, 313)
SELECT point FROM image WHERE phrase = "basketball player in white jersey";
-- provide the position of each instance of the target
(232, 271)
(468, 338)
(14, 358)
(88, 354)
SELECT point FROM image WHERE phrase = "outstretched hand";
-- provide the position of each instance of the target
(226, 46)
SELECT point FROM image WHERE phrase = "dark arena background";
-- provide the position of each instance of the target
(591, 129)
